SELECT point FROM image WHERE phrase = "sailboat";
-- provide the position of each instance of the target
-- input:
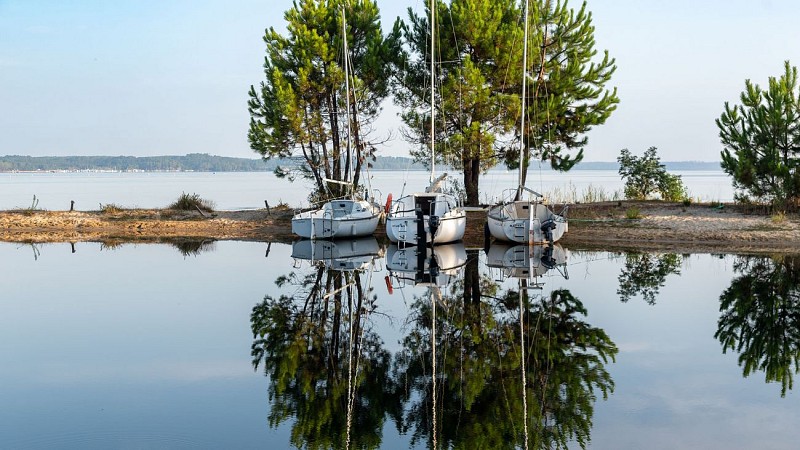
(528, 220)
(430, 217)
(345, 217)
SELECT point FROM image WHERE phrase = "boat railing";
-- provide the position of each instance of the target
(399, 201)
(562, 216)
(509, 195)
(447, 204)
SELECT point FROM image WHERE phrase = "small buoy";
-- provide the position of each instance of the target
(388, 203)
(389, 284)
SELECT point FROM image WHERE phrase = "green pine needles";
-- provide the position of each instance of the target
(761, 140)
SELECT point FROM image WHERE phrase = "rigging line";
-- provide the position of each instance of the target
(455, 159)
(522, 367)
(349, 364)
(435, 290)
(347, 102)
(547, 359)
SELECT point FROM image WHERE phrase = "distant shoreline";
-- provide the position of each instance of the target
(203, 163)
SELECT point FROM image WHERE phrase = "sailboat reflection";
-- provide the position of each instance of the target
(524, 261)
(416, 265)
(351, 254)
(328, 370)
(512, 368)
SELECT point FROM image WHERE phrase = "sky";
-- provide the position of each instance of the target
(149, 77)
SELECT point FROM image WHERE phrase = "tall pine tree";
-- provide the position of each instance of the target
(299, 109)
(761, 139)
(480, 71)
(567, 93)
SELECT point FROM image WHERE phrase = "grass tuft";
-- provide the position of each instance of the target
(633, 213)
(778, 217)
(191, 202)
(111, 208)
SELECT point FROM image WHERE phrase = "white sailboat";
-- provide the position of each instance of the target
(430, 217)
(346, 217)
(528, 220)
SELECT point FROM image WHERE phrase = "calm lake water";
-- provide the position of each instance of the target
(196, 346)
(248, 190)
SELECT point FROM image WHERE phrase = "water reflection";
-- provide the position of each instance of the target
(523, 261)
(328, 370)
(439, 265)
(507, 369)
(353, 254)
(194, 247)
(644, 274)
(760, 317)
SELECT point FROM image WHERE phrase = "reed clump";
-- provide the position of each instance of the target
(633, 213)
(111, 208)
(191, 202)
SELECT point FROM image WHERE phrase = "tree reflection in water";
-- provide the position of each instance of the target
(328, 371)
(467, 368)
(479, 367)
(645, 273)
(760, 317)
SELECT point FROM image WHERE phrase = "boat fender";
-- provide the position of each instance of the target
(389, 284)
(388, 203)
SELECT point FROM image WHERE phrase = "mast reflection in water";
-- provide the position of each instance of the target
(481, 365)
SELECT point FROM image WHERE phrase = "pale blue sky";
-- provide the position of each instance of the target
(149, 77)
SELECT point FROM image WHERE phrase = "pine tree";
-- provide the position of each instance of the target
(473, 105)
(567, 93)
(761, 139)
(299, 109)
(478, 101)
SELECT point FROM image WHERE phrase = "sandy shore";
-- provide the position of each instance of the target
(661, 226)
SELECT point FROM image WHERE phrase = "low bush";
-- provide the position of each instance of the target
(633, 213)
(191, 202)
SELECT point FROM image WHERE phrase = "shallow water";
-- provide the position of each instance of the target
(249, 190)
(142, 346)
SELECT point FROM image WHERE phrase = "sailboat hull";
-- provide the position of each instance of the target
(526, 222)
(442, 221)
(337, 219)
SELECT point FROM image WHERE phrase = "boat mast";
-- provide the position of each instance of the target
(347, 97)
(433, 86)
(522, 107)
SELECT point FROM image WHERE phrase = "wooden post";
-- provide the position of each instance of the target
(266, 203)
(72, 205)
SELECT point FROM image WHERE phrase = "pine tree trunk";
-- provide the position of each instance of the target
(472, 172)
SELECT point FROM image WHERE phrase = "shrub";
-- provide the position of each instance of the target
(645, 176)
(191, 202)
(633, 213)
(111, 208)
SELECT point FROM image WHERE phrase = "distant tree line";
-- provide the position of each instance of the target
(197, 162)
(201, 162)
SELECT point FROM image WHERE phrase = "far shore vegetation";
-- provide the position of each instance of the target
(201, 162)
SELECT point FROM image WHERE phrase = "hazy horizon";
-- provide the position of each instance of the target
(149, 78)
